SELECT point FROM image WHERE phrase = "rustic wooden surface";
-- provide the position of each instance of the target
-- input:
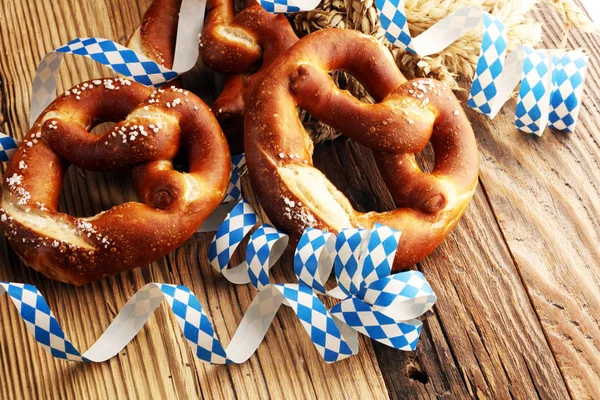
(518, 280)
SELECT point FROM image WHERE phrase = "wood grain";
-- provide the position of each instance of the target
(484, 339)
(518, 280)
(545, 194)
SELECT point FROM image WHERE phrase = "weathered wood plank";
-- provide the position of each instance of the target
(484, 338)
(158, 363)
(544, 193)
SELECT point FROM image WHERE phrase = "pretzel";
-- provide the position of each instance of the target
(243, 45)
(408, 115)
(154, 126)
(156, 36)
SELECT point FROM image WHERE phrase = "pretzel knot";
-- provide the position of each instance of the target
(246, 44)
(152, 127)
(405, 118)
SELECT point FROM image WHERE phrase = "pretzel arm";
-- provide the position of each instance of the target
(156, 36)
(229, 110)
(226, 46)
(376, 126)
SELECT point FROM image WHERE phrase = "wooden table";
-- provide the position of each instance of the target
(518, 280)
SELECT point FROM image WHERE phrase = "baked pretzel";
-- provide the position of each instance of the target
(156, 36)
(408, 115)
(154, 126)
(244, 45)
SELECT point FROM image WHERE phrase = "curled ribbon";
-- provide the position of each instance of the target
(374, 303)
(288, 6)
(551, 84)
(122, 60)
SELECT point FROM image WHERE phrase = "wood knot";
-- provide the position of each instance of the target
(415, 372)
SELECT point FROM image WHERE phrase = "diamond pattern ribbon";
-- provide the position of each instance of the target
(551, 85)
(234, 190)
(288, 6)
(122, 60)
(8, 146)
(374, 302)
(119, 58)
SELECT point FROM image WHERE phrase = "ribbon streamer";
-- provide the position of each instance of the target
(374, 303)
(551, 85)
(8, 146)
(122, 60)
(288, 6)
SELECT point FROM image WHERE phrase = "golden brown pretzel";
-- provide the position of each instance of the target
(244, 44)
(154, 126)
(408, 115)
(156, 36)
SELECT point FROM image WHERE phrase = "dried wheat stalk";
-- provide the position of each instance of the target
(573, 16)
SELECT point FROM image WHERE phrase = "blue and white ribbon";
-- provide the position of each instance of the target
(234, 190)
(375, 303)
(122, 60)
(551, 85)
(8, 146)
(288, 6)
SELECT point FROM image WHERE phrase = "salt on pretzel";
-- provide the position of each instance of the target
(243, 46)
(407, 116)
(152, 127)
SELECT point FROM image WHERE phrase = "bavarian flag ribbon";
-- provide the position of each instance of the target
(551, 83)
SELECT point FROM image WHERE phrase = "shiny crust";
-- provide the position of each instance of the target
(244, 46)
(407, 116)
(241, 46)
(157, 34)
(153, 127)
